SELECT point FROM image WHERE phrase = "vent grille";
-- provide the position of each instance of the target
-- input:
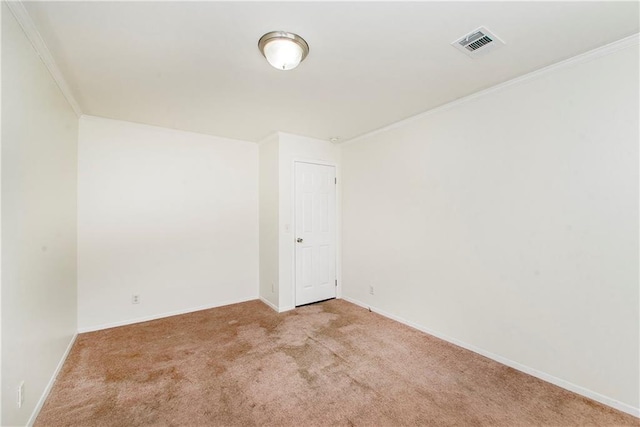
(479, 43)
(481, 40)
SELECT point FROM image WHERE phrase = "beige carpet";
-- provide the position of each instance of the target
(331, 363)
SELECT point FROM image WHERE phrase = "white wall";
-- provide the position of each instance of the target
(277, 248)
(269, 181)
(171, 216)
(292, 148)
(39, 152)
(510, 223)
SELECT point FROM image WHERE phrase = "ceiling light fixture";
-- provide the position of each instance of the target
(283, 50)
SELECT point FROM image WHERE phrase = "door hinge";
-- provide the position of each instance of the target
(336, 282)
(336, 179)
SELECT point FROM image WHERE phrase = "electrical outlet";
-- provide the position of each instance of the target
(135, 299)
(371, 290)
(20, 394)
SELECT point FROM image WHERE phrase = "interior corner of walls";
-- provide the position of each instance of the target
(54, 376)
(270, 304)
(268, 138)
(84, 117)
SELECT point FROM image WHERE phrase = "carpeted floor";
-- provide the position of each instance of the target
(331, 363)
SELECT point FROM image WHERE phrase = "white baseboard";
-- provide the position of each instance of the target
(275, 307)
(270, 304)
(47, 389)
(161, 315)
(515, 365)
(283, 309)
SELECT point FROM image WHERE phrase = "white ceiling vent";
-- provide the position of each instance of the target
(478, 42)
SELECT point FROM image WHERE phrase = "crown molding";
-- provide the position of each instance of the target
(630, 41)
(24, 20)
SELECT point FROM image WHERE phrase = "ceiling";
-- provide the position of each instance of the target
(195, 65)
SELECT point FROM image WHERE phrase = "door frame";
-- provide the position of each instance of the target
(338, 230)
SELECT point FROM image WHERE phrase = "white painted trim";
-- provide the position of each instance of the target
(162, 315)
(283, 309)
(608, 49)
(275, 307)
(47, 389)
(270, 304)
(508, 362)
(22, 16)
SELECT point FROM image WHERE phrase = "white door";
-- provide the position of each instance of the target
(315, 232)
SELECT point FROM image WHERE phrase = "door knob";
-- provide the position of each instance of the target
(299, 240)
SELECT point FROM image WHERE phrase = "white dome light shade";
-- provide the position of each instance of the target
(283, 54)
(283, 51)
